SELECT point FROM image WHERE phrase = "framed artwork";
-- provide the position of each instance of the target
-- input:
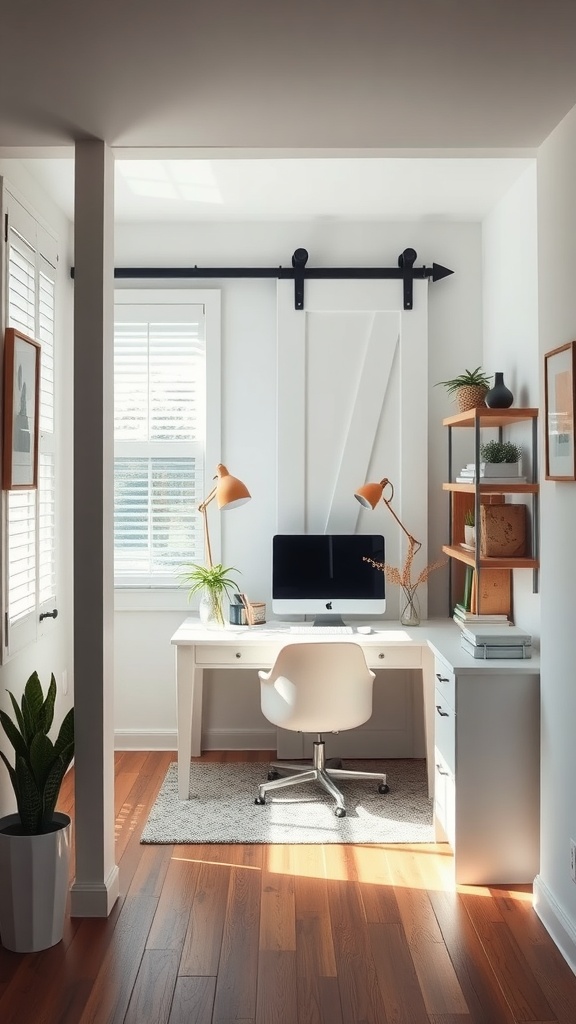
(559, 385)
(21, 410)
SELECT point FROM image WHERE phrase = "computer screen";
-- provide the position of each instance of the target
(324, 575)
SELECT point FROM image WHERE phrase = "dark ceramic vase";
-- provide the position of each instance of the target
(499, 397)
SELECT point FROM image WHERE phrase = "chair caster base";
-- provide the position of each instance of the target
(340, 812)
(260, 800)
(383, 788)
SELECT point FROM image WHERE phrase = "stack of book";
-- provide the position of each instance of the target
(489, 640)
(491, 473)
(463, 616)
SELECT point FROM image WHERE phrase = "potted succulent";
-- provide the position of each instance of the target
(469, 389)
(469, 528)
(35, 842)
(214, 583)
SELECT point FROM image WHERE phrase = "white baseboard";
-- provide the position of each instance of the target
(95, 899)
(151, 739)
(560, 928)
(239, 739)
(214, 739)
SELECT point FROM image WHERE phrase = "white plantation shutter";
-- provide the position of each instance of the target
(46, 531)
(159, 431)
(22, 554)
(30, 525)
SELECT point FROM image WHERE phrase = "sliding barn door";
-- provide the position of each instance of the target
(352, 407)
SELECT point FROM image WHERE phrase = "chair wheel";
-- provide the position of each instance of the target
(273, 775)
(383, 788)
(340, 812)
(260, 800)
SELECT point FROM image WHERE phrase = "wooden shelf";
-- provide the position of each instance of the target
(463, 554)
(493, 488)
(490, 417)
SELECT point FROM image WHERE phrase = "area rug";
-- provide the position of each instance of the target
(221, 808)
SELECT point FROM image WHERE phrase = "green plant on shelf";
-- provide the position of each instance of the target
(469, 379)
(469, 519)
(500, 451)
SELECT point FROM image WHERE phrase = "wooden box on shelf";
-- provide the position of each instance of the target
(503, 530)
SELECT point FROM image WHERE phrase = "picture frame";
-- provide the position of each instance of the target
(21, 411)
(559, 404)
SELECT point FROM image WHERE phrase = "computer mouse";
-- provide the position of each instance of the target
(364, 629)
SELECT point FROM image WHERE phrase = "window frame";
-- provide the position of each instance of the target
(173, 597)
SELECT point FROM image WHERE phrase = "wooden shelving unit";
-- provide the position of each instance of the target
(464, 497)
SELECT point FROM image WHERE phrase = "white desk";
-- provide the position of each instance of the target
(198, 648)
(481, 726)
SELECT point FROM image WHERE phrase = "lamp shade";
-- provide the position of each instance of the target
(230, 491)
(369, 495)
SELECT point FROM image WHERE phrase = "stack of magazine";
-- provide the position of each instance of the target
(493, 640)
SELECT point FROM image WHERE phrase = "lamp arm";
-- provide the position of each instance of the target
(202, 508)
(416, 543)
(210, 497)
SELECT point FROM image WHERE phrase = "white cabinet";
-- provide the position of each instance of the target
(444, 753)
(487, 767)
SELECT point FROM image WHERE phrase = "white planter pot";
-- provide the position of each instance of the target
(470, 535)
(33, 885)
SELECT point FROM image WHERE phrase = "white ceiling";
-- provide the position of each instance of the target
(335, 189)
(370, 84)
(298, 74)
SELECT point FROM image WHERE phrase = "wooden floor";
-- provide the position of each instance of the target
(287, 935)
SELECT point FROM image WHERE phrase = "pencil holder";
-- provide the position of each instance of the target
(257, 613)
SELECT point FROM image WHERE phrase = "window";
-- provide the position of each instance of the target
(30, 524)
(161, 374)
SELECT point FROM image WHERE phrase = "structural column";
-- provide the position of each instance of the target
(95, 888)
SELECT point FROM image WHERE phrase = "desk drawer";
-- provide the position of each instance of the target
(393, 657)
(445, 682)
(445, 730)
(445, 800)
(251, 656)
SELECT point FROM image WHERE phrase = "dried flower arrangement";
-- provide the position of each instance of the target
(404, 579)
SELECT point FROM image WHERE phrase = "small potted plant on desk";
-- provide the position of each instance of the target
(214, 583)
(35, 842)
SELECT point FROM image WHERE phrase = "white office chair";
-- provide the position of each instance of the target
(317, 687)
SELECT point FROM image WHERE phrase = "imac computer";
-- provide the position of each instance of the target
(324, 575)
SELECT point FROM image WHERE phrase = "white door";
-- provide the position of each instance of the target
(353, 406)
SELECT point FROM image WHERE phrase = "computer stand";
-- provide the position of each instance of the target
(329, 620)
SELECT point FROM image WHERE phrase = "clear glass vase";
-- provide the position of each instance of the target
(210, 610)
(410, 607)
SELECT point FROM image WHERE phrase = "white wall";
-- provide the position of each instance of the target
(510, 277)
(52, 653)
(145, 702)
(555, 891)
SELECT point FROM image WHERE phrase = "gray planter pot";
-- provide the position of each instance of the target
(33, 885)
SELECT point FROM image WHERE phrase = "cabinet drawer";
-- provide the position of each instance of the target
(445, 800)
(393, 657)
(445, 730)
(252, 657)
(445, 683)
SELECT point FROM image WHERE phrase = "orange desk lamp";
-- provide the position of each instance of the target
(229, 493)
(370, 494)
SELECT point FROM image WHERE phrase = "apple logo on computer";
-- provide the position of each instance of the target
(329, 606)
